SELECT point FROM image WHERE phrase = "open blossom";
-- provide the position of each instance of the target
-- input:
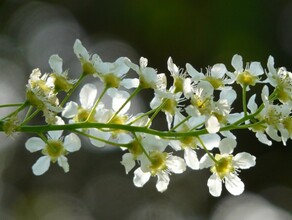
(159, 164)
(54, 149)
(58, 79)
(170, 104)
(217, 75)
(190, 144)
(281, 80)
(225, 169)
(80, 113)
(275, 119)
(247, 76)
(88, 61)
(181, 82)
(148, 77)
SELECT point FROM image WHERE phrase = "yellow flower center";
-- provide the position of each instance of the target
(189, 141)
(169, 106)
(111, 80)
(61, 83)
(88, 68)
(158, 162)
(54, 149)
(223, 166)
(216, 83)
(246, 78)
(83, 114)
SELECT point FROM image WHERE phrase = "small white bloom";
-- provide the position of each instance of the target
(226, 167)
(54, 150)
(247, 76)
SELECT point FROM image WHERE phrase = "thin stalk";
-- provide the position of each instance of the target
(138, 89)
(157, 110)
(97, 102)
(244, 105)
(100, 139)
(141, 146)
(179, 124)
(206, 150)
(72, 90)
(21, 107)
(11, 105)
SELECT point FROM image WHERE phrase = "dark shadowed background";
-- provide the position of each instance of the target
(199, 32)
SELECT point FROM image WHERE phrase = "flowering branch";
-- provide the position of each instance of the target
(197, 106)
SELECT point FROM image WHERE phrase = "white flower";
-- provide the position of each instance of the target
(54, 150)
(148, 77)
(281, 79)
(181, 83)
(190, 143)
(58, 79)
(85, 58)
(248, 76)
(226, 167)
(159, 164)
(217, 75)
(169, 102)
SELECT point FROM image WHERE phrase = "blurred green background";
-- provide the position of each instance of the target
(199, 32)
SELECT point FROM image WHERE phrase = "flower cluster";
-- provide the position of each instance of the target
(198, 108)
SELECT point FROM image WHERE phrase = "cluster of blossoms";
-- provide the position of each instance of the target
(197, 106)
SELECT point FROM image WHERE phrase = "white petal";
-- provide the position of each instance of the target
(155, 102)
(56, 63)
(130, 83)
(256, 68)
(210, 141)
(119, 97)
(128, 162)
(72, 142)
(175, 144)
(206, 162)
(218, 70)
(228, 94)
(263, 138)
(63, 162)
(234, 184)
(99, 134)
(140, 178)
(70, 110)
(237, 62)
(212, 124)
(124, 138)
(215, 185)
(176, 164)
(87, 95)
(251, 105)
(244, 160)
(34, 144)
(227, 145)
(191, 158)
(41, 165)
(196, 76)
(55, 135)
(162, 182)
(80, 50)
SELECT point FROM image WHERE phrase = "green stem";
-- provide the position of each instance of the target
(138, 89)
(206, 150)
(179, 124)
(141, 146)
(11, 105)
(141, 116)
(100, 139)
(72, 89)
(244, 106)
(157, 110)
(96, 103)
(30, 117)
(21, 107)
